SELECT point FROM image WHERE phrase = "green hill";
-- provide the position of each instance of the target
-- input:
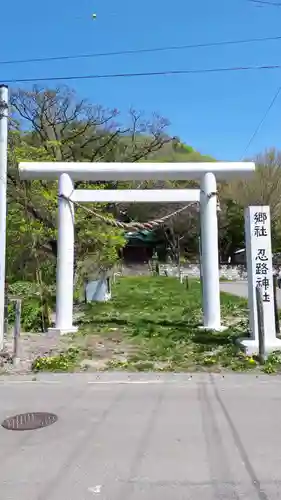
(172, 151)
(178, 153)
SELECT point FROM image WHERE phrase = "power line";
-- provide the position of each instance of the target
(145, 74)
(266, 2)
(260, 124)
(141, 51)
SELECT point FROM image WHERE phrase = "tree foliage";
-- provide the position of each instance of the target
(262, 188)
(55, 125)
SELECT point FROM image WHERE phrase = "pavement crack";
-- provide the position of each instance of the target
(55, 482)
(127, 490)
(239, 445)
(221, 480)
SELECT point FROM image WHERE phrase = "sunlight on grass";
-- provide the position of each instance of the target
(160, 318)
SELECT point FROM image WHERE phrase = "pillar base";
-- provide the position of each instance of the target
(62, 331)
(252, 346)
(219, 328)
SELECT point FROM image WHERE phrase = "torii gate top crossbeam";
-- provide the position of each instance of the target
(133, 171)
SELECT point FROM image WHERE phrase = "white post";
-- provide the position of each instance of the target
(259, 270)
(65, 259)
(210, 254)
(3, 201)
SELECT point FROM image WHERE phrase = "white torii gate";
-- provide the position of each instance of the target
(66, 173)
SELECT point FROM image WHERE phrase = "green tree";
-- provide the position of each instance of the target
(262, 188)
(31, 222)
(55, 125)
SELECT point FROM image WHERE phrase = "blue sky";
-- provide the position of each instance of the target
(216, 113)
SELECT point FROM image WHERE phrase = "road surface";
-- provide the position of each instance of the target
(240, 288)
(143, 437)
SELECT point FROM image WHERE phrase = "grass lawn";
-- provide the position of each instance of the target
(159, 317)
(152, 324)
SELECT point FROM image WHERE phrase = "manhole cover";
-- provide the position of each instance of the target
(29, 421)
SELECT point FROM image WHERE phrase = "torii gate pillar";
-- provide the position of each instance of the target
(210, 252)
(207, 173)
(65, 258)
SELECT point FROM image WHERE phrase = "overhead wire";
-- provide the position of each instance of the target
(159, 73)
(144, 74)
(140, 51)
(265, 2)
(261, 122)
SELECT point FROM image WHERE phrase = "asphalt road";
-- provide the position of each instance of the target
(240, 288)
(143, 437)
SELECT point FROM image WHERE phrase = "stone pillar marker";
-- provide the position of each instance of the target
(260, 272)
